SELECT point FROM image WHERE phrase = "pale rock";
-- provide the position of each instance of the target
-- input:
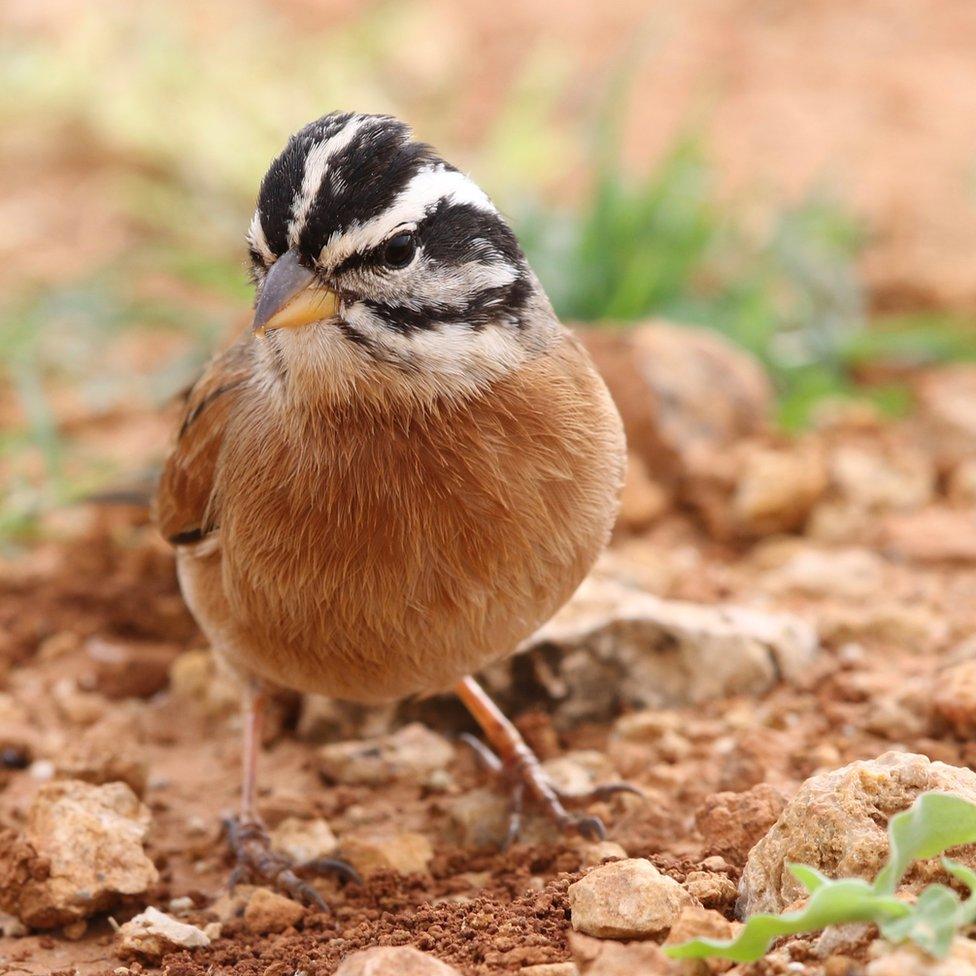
(197, 676)
(128, 669)
(602, 957)
(712, 889)
(621, 645)
(304, 840)
(80, 851)
(151, 934)
(911, 626)
(579, 773)
(880, 477)
(847, 573)
(775, 490)
(405, 852)
(908, 960)
(596, 852)
(413, 752)
(393, 961)
(76, 706)
(268, 912)
(109, 751)
(962, 483)
(836, 822)
(628, 899)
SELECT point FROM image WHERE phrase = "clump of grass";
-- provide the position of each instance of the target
(933, 824)
(665, 245)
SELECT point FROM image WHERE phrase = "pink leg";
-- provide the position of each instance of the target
(255, 700)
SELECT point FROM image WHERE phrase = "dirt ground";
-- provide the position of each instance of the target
(881, 560)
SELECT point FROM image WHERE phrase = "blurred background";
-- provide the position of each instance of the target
(799, 177)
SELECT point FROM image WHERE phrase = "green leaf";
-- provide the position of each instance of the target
(967, 876)
(930, 924)
(833, 902)
(932, 824)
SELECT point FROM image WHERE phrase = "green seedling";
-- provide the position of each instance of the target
(933, 824)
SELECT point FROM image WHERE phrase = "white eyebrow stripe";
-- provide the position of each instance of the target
(316, 164)
(426, 188)
(257, 240)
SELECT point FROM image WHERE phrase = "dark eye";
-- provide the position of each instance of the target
(399, 250)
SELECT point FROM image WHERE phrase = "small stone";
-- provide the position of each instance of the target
(196, 676)
(80, 851)
(109, 751)
(75, 931)
(716, 891)
(836, 822)
(11, 927)
(599, 957)
(404, 852)
(731, 823)
(846, 573)
(304, 840)
(695, 922)
(77, 706)
(954, 698)
(642, 500)
(268, 912)
(413, 752)
(933, 535)
(628, 899)
(129, 670)
(393, 961)
(151, 934)
(593, 853)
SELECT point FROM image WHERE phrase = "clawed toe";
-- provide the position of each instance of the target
(258, 863)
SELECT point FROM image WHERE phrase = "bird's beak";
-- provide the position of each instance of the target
(292, 296)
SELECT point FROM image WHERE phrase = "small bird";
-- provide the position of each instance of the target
(403, 469)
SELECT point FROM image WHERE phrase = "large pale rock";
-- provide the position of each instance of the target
(624, 646)
(683, 393)
(151, 934)
(405, 852)
(394, 961)
(413, 752)
(837, 822)
(80, 851)
(304, 840)
(627, 899)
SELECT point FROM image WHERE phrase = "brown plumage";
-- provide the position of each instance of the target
(369, 503)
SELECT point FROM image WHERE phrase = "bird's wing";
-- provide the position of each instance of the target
(185, 506)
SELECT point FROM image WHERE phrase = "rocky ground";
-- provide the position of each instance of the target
(778, 649)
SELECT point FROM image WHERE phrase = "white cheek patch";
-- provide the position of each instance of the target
(425, 190)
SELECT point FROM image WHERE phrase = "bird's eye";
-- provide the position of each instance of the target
(399, 250)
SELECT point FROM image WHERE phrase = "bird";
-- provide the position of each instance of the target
(402, 469)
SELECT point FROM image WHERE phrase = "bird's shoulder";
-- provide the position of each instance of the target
(185, 509)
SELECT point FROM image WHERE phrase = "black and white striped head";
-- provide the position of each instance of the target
(366, 238)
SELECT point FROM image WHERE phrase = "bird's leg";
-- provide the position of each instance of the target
(513, 759)
(247, 835)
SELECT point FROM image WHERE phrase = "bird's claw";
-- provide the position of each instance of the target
(257, 862)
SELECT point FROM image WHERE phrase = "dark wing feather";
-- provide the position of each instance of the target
(185, 509)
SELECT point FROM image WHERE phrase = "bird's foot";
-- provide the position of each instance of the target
(519, 768)
(257, 863)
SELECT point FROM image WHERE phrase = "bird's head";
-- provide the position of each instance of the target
(376, 259)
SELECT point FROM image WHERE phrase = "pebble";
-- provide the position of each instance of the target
(151, 934)
(304, 840)
(393, 961)
(405, 852)
(627, 899)
(954, 698)
(413, 752)
(731, 823)
(600, 957)
(129, 670)
(268, 912)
